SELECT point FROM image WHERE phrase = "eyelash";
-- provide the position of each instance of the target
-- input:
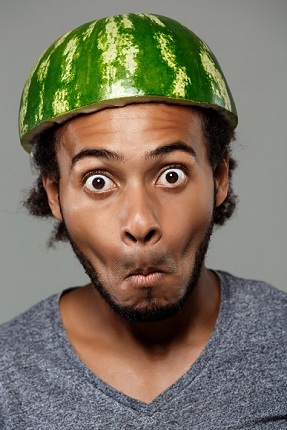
(94, 172)
(182, 167)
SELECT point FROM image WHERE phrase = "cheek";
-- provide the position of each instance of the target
(191, 216)
(92, 226)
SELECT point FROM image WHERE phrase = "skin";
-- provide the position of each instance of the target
(140, 230)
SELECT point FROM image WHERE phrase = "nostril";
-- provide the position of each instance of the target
(150, 235)
(131, 237)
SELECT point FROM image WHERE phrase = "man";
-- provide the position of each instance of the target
(129, 120)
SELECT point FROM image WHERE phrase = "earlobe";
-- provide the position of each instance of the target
(221, 180)
(52, 189)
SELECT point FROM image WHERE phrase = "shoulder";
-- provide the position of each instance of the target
(259, 292)
(28, 331)
(256, 305)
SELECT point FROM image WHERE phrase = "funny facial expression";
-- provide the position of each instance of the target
(137, 195)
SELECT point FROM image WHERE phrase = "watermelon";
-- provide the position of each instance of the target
(119, 60)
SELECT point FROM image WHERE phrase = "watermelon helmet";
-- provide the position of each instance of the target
(115, 61)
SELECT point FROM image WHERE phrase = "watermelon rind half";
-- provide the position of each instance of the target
(119, 60)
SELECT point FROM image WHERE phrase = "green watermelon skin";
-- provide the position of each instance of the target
(119, 60)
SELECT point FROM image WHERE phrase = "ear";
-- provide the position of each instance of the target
(52, 189)
(221, 180)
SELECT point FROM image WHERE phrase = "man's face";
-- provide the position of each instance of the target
(136, 194)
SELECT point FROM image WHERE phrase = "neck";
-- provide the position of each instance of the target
(193, 324)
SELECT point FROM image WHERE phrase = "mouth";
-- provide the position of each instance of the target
(144, 271)
(146, 276)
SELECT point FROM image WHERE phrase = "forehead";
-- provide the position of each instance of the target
(131, 128)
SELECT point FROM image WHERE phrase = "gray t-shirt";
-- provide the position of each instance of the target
(238, 382)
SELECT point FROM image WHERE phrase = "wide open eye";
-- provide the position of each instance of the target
(172, 177)
(98, 183)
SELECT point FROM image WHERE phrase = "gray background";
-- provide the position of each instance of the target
(249, 38)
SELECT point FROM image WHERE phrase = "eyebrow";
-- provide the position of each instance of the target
(98, 153)
(178, 145)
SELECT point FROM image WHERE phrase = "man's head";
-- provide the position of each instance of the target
(137, 173)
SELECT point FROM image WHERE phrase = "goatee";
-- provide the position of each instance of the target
(151, 312)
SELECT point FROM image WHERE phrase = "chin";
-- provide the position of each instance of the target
(147, 314)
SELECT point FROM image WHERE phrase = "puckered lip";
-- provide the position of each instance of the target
(144, 271)
(145, 277)
(147, 264)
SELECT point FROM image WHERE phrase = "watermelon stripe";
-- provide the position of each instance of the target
(67, 72)
(24, 101)
(60, 103)
(153, 18)
(217, 81)
(166, 45)
(89, 31)
(118, 51)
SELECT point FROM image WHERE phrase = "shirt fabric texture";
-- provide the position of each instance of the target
(238, 382)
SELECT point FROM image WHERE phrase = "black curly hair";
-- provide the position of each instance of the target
(217, 131)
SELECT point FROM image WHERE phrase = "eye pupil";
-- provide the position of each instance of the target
(172, 177)
(98, 183)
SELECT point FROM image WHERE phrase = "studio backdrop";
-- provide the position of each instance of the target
(249, 39)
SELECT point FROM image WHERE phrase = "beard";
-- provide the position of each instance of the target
(152, 312)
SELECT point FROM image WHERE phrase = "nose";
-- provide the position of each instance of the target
(140, 221)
